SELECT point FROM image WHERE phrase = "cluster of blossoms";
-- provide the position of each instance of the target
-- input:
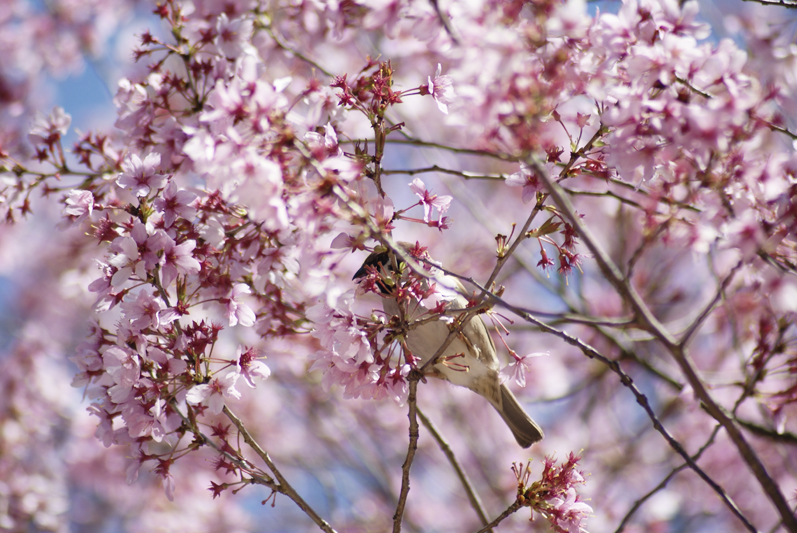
(185, 262)
(554, 495)
(687, 131)
(347, 357)
(50, 43)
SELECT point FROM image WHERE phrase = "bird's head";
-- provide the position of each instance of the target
(380, 261)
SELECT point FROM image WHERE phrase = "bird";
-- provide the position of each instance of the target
(470, 360)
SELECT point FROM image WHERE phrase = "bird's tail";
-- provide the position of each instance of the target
(525, 430)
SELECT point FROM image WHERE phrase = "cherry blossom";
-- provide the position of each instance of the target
(442, 89)
(430, 201)
(140, 176)
(518, 368)
(213, 393)
(48, 130)
(175, 203)
(231, 35)
(237, 311)
(79, 204)
(178, 259)
(250, 368)
(527, 179)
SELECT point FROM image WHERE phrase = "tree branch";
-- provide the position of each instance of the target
(780, 3)
(515, 507)
(284, 486)
(626, 380)
(711, 306)
(663, 483)
(678, 352)
(436, 168)
(413, 446)
(642, 400)
(469, 151)
(771, 434)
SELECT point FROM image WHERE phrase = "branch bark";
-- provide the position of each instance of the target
(411, 449)
(284, 487)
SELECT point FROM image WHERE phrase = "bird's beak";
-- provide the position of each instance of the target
(360, 273)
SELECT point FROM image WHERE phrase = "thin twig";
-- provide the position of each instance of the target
(692, 88)
(640, 190)
(300, 55)
(612, 322)
(711, 306)
(771, 434)
(411, 448)
(610, 194)
(474, 499)
(522, 234)
(284, 486)
(261, 478)
(427, 144)
(780, 3)
(444, 21)
(663, 483)
(780, 129)
(461, 173)
(509, 510)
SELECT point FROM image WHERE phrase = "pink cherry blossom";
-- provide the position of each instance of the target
(518, 368)
(569, 513)
(123, 371)
(141, 177)
(48, 130)
(237, 311)
(79, 204)
(323, 145)
(442, 89)
(250, 367)
(232, 34)
(528, 180)
(213, 393)
(175, 203)
(178, 259)
(128, 258)
(430, 201)
(143, 311)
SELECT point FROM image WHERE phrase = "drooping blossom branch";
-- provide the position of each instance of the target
(678, 351)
